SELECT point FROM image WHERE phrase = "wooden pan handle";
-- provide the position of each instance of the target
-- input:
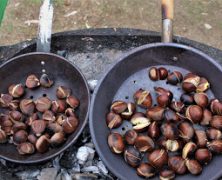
(167, 9)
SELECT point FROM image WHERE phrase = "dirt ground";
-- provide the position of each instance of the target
(199, 20)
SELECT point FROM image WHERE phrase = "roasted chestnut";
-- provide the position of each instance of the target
(20, 137)
(61, 118)
(32, 81)
(177, 106)
(194, 113)
(163, 73)
(58, 106)
(201, 138)
(193, 166)
(172, 145)
(201, 99)
(115, 142)
(190, 82)
(169, 130)
(48, 116)
(72, 101)
(186, 131)
(140, 123)
(118, 106)
(15, 115)
(129, 111)
(3, 136)
(155, 113)
(45, 81)
(144, 143)
(214, 134)
(25, 148)
(154, 74)
(31, 118)
(143, 98)
(145, 170)
(113, 120)
(174, 78)
(42, 144)
(203, 85)
(203, 155)
(57, 139)
(158, 158)
(164, 97)
(177, 164)
(167, 174)
(170, 115)
(5, 100)
(154, 130)
(63, 92)
(38, 127)
(16, 90)
(13, 105)
(18, 126)
(130, 137)
(54, 127)
(70, 124)
(188, 149)
(132, 156)
(43, 104)
(216, 107)
(27, 106)
(187, 99)
(70, 112)
(216, 122)
(32, 138)
(207, 116)
(215, 146)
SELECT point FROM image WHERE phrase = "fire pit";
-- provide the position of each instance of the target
(93, 51)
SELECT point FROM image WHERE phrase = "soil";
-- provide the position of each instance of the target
(199, 20)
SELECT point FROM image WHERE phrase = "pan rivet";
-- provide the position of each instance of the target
(43, 63)
(175, 58)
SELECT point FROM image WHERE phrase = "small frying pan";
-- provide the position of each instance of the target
(63, 73)
(131, 73)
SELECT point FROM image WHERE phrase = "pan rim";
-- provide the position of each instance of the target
(105, 75)
(84, 121)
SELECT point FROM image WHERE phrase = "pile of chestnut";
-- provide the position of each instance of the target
(176, 135)
(37, 125)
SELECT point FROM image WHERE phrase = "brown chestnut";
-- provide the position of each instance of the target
(70, 124)
(129, 111)
(58, 106)
(5, 100)
(42, 144)
(163, 73)
(54, 127)
(43, 104)
(31, 118)
(169, 130)
(32, 81)
(130, 137)
(38, 127)
(61, 118)
(190, 82)
(154, 130)
(3, 136)
(27, 106)
(143, 98)
(177, 164)
(193, 166)
(158, 158)
(216, 107)
(118, 106)
(164, 96)
(25, 148)
(201, 138)
(5, 121)
(216, 122)
(15, 116)
(207, 116)
(113, 120)
(45, 81)
(167, 174)
(203, 155)
(32, 138)
(138, 114)
(72, 101)
(154, 74)
(140, 124)
(20, 137)
(70, 112)
(48, 116)
(63, 92)
(177, 106)
(172, 145)
(18, 126)
(170, 115)
(186, 131)
(13, 105)
(215, 146)
(115, 142)
(144, 143)
(174, 78)
(145, 170)
(155, 113)
(194, 113)
(188, 149)
(214, 134)
(16, 90)
(187, 99)
(203, 85)
(201, 99)
(57, 139)
(132, 156)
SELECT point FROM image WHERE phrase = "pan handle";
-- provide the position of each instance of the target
(167, 7)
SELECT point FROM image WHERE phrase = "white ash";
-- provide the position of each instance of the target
(84, 153)
(102, 167)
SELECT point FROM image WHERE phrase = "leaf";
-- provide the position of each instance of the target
(3, 4)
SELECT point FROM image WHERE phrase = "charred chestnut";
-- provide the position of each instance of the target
(201, 99)
(45, 81)
(132, 156)
(177, 164)
(190, 82)
(143, 98)
(193, 166)
(155, 113)
(174, 78)
(145, 170)
(16, 90)
(115, 142)
(203, 155)
(25, 148)
(63, 92)
(27, 106)
(186, 131)
(32, 81)
(158, 158)
(154, 130)
(187, 99)
(113, 120)
(194, 113)
(144, 143)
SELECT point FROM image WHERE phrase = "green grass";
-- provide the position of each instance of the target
(3, 4)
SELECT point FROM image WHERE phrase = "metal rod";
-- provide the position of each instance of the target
(167, 30)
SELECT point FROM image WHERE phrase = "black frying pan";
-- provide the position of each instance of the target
(131, 73)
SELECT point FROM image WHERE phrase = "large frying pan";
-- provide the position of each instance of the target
(130, 73)
(64, 73)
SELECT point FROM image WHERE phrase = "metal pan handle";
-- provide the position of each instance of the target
(167, 7)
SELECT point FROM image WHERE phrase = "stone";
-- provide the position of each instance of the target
(84, 153)
(93, 169)
(48, 174)
(102, 167)
(84, 176)
(28, 174)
